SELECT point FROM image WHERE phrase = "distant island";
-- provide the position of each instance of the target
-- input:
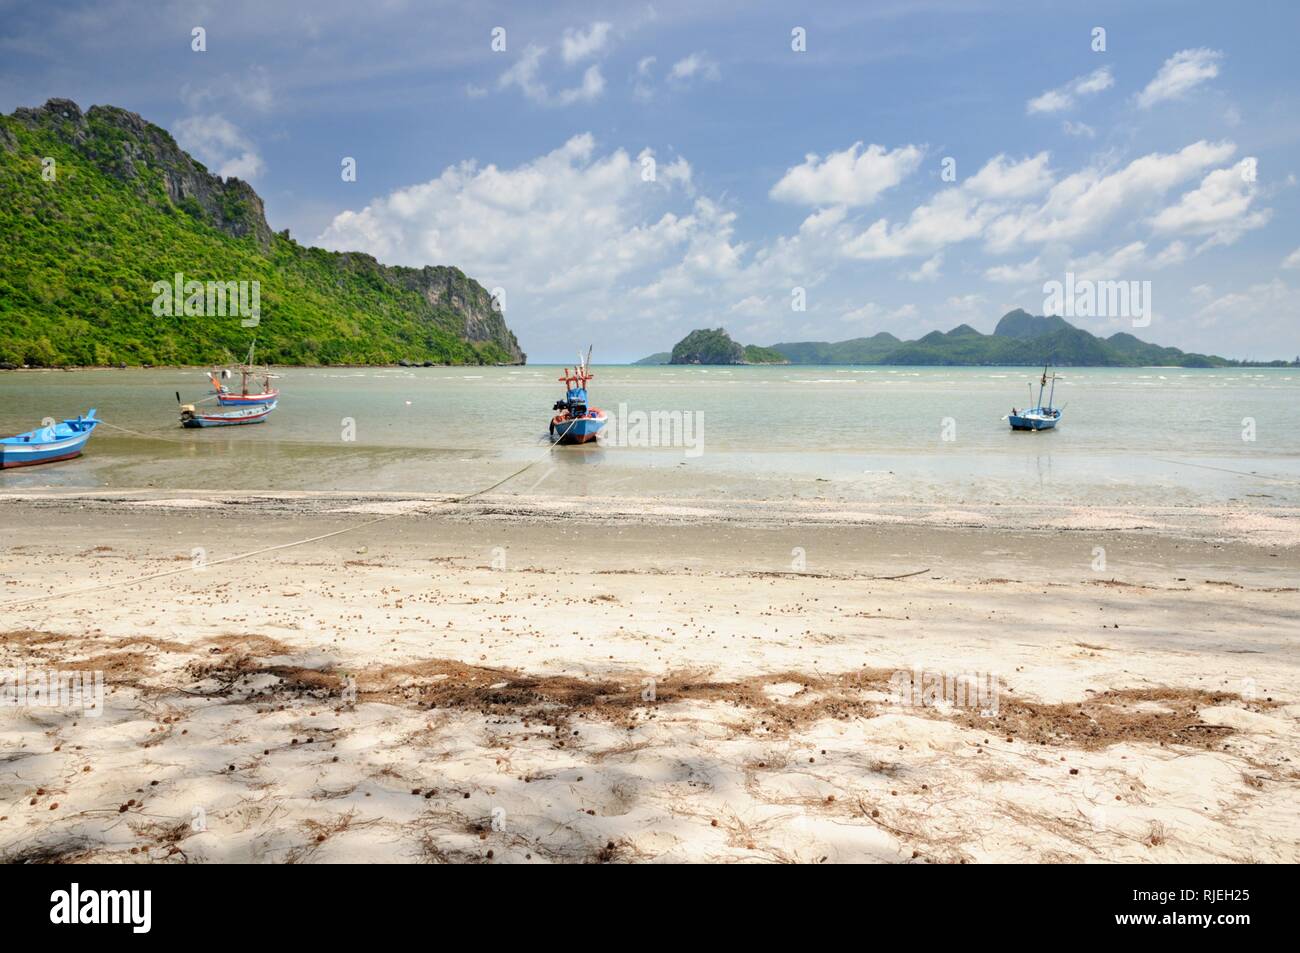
(715, 346)
(1019, 338)
(661, 357)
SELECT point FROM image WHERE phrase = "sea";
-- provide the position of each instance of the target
(1128, 436)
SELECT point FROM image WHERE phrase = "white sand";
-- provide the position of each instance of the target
(228, 724)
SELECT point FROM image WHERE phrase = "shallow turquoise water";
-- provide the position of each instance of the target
(1151, 435)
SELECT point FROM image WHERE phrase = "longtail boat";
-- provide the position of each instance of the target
(227, 398)
(230, 418)
(1041, 417)
(576, 422)
(47, 444)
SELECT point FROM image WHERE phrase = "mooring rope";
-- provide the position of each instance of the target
(155, 435)
(279, 546)
(549, 450)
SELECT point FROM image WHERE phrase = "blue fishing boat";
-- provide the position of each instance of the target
(47, 444)
(576, 422)
(1041, 417)
(231, 418)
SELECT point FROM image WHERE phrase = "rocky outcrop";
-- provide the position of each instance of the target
(136, 151)
(442, 286)
(707, 346)
(445, 291)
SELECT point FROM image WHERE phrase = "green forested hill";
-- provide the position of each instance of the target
(707, 346)
(126, 207)
(661, 357)
(715, 346)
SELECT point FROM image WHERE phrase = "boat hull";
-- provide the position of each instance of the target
(249, 415)
(579, 429)
(1033, 423)
(11, 457)
(247, 400)
(48, 445)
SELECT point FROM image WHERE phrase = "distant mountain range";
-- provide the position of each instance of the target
(1019, 338)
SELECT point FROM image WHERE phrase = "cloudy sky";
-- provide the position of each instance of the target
(627, 172)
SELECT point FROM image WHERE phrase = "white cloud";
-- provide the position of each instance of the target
(1126, 261)
(867, 312)
(752, 307)
(993, 205)
(1259, 322)
(1002, 178)
(524, 74)
(1253, 310)
(969, 305)
(696, 65)
(955, 214)
(566, 233)
(874, 315)
(1181, 72)
(220, 145)
(677, 172)
(929, 270)
(1013, 274)
(1219, 207)
(250, 89)
(687, 70)
(1175, 253)
(848, 178)
(1292, 260)
(824, 220)
(593, 84)
(643, 80)
(1079, 129)
(1081, 204)
(1064, 97)
(578, 45)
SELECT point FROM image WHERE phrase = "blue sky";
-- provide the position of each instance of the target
(1169, 157)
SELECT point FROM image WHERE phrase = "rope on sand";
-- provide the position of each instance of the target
(1206, 466)
(176, 572)
(549, 450)
(268, 549)
(156, 435)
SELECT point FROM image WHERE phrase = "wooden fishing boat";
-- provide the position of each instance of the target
(244, 398)
(576, 422)
(48, 444)
(1041, 417)
(230, 418)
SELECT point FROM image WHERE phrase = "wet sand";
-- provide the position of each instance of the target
(524, 679)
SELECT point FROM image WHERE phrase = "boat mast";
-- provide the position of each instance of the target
(248, 367)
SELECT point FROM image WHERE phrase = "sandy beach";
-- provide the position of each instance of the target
(507, 679)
